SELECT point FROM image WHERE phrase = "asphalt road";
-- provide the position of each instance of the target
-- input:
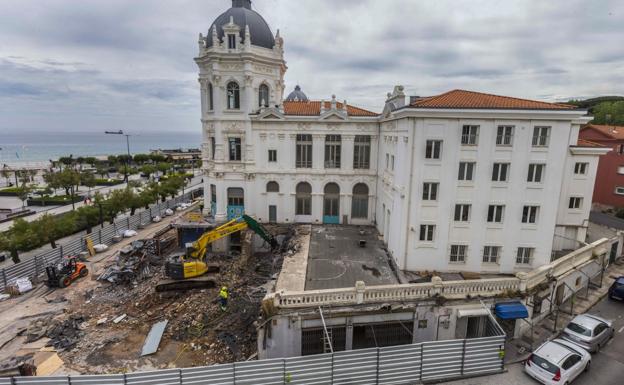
(607, 367)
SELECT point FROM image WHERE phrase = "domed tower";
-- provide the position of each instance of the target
(241, 69)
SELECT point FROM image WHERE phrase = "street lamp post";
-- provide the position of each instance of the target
(120, 132)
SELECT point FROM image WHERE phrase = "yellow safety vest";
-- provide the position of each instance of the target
(223, 294)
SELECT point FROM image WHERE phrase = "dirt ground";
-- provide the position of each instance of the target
(198, 332)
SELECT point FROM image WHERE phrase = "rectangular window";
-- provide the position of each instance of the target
(213, 147)
(541, 136)
(304, 151)
(620, 170)
(504, 135)
(332, 151)
(620, 149)
(458, 253)
(235, 149)
(495, 213)
(361, 152)
(619, 190)
(529, 214)
(575, 203)
(466, 170)
(580, 168)
(387, 161)
(524, 256)
(392, 162)
(272, 155)
(490, 254)
(536, 171)
(430, 191)
(470, 135)
(500, 172)
(462, 213)
(231, 41)
(433, 149)
(426, 233)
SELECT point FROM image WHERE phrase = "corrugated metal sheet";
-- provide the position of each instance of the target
(482, 355)
(158, 377)
(153, 338)
(442, 359)
(309, 370)
(213, 375)
(355, 367)
(115, 379)
(268, 372)
(41, 380)
(400, 364)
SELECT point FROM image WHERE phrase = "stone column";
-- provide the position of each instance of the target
(346, 152)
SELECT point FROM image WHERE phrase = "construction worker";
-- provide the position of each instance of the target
(223, 297)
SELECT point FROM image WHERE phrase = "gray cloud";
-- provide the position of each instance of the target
(76, 64)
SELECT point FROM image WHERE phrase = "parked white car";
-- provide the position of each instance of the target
(589, 332)
(557, 362)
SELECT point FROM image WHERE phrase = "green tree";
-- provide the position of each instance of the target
(116, 203)
(609, 113)
(6, 174)
(141, 158)
(7, 244)
(87, 179)
(148, 170)
(156, 158)
(91, 161)
(112, 159)
(87, 217)
(163, 167)
(47, 229)
(102, 171)
(21, 238)
(23, 192)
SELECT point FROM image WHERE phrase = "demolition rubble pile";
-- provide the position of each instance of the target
(63, 334)
(133, 263)
(126, 305)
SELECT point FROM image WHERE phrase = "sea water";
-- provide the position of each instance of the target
(43, 146)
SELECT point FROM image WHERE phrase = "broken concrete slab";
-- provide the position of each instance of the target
(119, 319)
(153, 338)
(101, 321)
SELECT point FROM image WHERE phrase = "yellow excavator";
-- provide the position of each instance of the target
(188, 270)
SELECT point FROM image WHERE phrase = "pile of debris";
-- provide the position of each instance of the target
(134, 263)
(63, 334)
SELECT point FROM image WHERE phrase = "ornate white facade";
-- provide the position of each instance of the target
(510, 163)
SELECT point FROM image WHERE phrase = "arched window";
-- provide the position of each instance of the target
(263, 95)
(210, 102)
(359, 201)
(303, 199)
(233, 96)
(272, 186)
(331, 201)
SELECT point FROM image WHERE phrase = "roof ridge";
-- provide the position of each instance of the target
(460, 98)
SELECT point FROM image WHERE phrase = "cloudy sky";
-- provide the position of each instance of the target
(103, 64)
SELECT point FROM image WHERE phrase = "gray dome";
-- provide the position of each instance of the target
(243, 15)
(297, 95)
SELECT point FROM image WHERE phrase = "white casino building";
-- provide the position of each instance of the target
(461, 181)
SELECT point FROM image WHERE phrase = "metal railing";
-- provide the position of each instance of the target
(35, 266)
(403, 364)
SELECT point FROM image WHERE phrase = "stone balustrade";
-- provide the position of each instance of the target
(490, 287)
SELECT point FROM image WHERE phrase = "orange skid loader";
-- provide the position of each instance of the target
(66, 272)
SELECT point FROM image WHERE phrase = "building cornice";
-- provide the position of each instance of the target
(576, 116)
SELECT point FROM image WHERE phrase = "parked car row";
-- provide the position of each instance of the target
(563, 359)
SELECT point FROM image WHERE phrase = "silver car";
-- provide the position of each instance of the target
(588, 331)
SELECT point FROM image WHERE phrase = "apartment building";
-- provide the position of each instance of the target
(609, 186)
(461, 181)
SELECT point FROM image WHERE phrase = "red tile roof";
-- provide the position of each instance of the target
(313, 108)
(588, 143)
(613, 132)
(470, 99)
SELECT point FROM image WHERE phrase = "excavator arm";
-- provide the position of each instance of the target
(199, 247)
